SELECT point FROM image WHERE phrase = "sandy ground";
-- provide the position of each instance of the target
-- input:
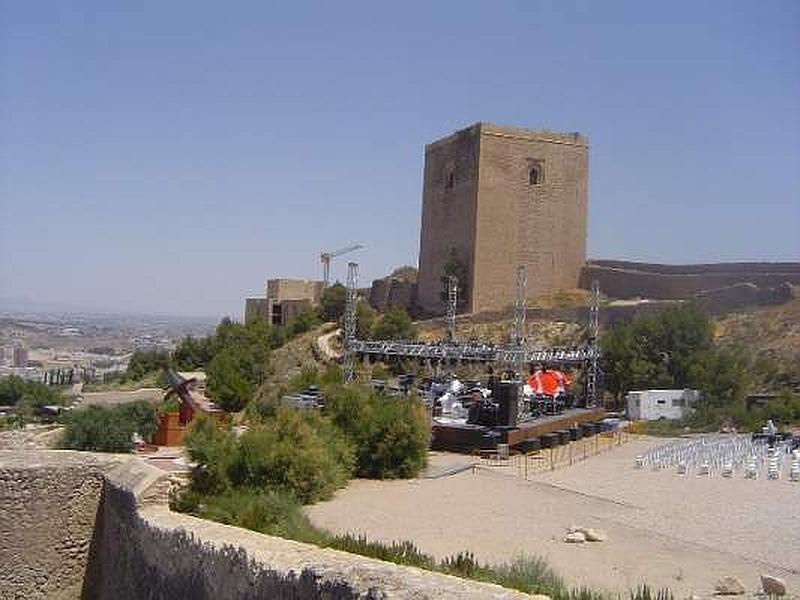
(664, 529)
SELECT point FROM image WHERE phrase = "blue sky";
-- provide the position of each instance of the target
(170, 156)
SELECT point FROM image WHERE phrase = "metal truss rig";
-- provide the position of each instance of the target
(473, 352)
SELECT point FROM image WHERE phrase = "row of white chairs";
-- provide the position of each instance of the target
(724, 455)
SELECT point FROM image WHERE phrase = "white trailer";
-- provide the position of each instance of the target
(651, 405)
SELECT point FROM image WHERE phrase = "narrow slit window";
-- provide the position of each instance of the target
(535, 175)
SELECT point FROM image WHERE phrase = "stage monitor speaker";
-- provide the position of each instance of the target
(507, 403)
(474, 414)
(488, 414)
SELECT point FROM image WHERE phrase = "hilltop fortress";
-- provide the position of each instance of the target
(495, 198)
(499, 197)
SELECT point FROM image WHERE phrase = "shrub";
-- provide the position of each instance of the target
(210, 446)
(141, 415)
(391, 436)
(394, 324)
(297, 452)
(104, 429)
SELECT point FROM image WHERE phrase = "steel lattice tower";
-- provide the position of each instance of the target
(350, 321)
(594, 334)
(520, 307)
(452, 305)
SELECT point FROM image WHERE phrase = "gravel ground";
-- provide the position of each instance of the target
(664, 529)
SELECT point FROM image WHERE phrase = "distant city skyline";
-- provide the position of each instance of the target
(169, 158)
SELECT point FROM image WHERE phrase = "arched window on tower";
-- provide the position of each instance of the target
(451, 180)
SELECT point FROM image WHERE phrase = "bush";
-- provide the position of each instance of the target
(210, 446)
(297, 452)
(394, 324)
(391, 436)
(103, 429)
(28, 396)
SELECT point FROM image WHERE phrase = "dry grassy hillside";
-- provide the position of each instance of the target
(288, 360)
(770, 333)
(539, 332)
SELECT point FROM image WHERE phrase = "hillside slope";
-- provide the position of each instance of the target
(772, 335)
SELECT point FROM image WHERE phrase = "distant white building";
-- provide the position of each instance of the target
(651, 405)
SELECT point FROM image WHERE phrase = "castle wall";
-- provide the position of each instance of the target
(623, 279)
(76, 526)
(47, 517)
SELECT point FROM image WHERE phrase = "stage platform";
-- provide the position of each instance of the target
(461, 437)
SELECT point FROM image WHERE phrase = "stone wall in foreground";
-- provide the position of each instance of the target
(75, 525)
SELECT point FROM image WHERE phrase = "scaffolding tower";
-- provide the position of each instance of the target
(452, 305)
(350, 322)
(592, 370)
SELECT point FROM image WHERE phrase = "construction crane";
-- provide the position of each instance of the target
(325, 259)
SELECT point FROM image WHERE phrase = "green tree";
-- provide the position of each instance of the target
(455, 267)
(194, 353)
(232, 378)
(302, 323)
(394, 324)
(391, 436)
(144, 362)
(334, 300)
(29, 397)
(673, 349)
(365, 319)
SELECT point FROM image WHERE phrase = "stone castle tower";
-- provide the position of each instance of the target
(503, 197)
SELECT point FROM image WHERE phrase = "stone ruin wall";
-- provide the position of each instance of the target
(77, 525)
(390, 292)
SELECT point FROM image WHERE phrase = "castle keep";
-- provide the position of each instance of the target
(503, 197)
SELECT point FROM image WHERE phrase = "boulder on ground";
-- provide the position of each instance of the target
(773, 586)
(730, 586)
(594, 535)
(576, 537)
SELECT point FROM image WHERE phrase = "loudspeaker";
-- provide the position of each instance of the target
(507, 399)
(488, 414)
(474, 414)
